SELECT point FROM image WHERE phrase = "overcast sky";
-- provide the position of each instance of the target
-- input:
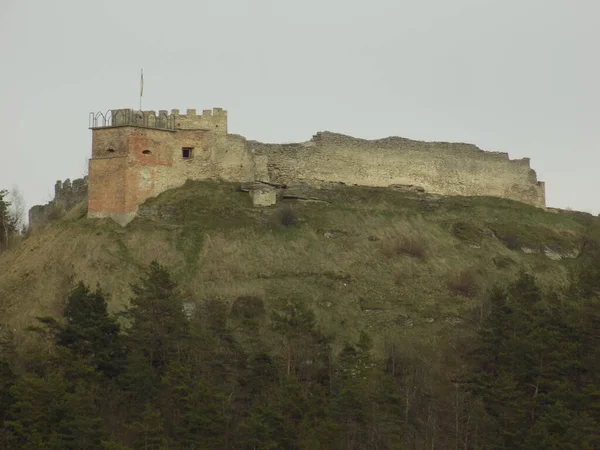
(517, 76)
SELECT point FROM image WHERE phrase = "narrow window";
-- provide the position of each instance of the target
(146, 152)
(186, 152)
(111, 150)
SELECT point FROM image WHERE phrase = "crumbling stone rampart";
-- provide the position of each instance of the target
(139, 154)
(67, 194)
(436, 167)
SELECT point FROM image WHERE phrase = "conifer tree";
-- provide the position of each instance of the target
(90, 332)
(159, 328)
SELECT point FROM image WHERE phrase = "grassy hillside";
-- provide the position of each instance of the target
(388, 262)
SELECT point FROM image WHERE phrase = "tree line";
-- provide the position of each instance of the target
(168, 374)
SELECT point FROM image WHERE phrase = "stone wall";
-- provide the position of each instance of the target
(132, 163)
(67, 194)
(438, 167)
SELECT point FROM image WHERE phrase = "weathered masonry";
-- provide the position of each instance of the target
(139, 154)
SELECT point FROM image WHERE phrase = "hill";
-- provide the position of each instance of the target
(362, 258)
(342, 317)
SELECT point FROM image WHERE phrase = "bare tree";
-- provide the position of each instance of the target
(17, 209)
(5, 220)
(86, 167)
(12, 217)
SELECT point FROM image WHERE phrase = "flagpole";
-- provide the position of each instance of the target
(141, 87)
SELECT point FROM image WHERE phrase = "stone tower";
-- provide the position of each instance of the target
(135, 155)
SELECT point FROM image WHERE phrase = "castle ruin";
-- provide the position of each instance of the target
(139, 154)
(67, 194)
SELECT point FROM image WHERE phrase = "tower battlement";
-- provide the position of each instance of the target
(214, 120)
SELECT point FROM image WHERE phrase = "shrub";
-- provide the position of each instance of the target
(463, 283)
(411, 246)
(248, 307)
(502, 262)
(511, 241)
(467, 232)
(285, 216)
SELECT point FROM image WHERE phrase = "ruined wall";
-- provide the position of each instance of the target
(67, 194)
(139, 155)
(438, 167)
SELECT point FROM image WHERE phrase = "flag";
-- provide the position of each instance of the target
(142, 83)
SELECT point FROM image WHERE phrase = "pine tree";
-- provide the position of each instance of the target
(49, 412)
(303, 341)
(90, 332)
(352, 394)
(149, 430)
(159, 328)
(196, 409)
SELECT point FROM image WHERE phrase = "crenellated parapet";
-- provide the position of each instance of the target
(214, 120)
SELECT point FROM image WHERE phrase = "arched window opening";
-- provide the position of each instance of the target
(111, 150)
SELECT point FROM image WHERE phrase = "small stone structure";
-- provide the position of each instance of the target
(139, 154)
(67, 194)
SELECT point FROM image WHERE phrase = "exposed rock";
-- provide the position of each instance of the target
(529, 250)
(409, 188)
(147, 211)
(163, 212)
(188, 309)
(301, 192)
(553, 254)
(332, 234)
(263, 195)
(368, 309)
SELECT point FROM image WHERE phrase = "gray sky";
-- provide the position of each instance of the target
(517, 76)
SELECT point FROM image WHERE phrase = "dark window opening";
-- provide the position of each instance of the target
(146, 152)
(111, 150)
(186, 152)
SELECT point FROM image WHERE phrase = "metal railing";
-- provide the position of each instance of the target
(129, 117)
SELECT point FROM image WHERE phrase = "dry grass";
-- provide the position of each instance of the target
(411, 246)
(232, 252)
(463, 283)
